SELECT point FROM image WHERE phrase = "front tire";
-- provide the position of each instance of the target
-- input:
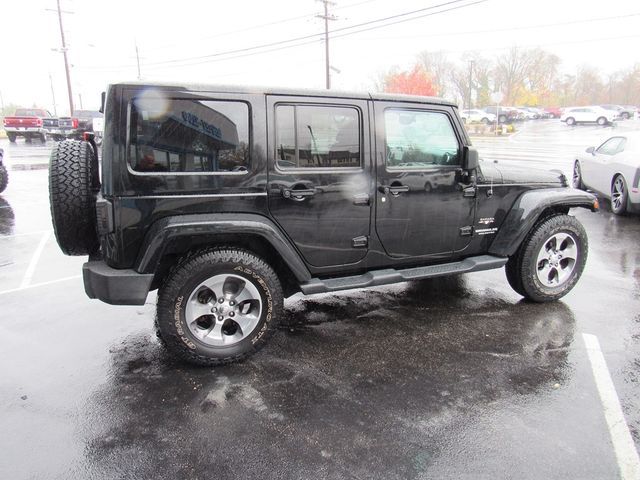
(550, 260)
(619, 195)
(218, 306)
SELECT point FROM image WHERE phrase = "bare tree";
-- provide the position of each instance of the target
(439, 68)
(511, 73)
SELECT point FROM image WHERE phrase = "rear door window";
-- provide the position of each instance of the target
(317, 136)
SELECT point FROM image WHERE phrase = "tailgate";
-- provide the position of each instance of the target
(22, 122)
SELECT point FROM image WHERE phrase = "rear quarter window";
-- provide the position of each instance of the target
(195, 136)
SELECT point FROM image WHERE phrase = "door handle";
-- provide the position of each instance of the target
(393, 189)
(298, 194)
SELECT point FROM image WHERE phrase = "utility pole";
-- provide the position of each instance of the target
(53, 95)
(470, 82)
(326, 18)
(66, 60)
(80, 98)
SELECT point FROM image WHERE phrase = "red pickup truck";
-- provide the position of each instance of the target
(29, 123)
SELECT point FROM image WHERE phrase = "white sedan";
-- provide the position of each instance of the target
(612, 170)
(475, 116)
(588, 115)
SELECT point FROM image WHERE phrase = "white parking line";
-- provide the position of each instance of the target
(42, 284)
(28, 275)
(623, 444)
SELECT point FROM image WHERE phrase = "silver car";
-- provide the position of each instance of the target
(613, 171)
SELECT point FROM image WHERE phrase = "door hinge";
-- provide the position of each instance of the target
(466, 231)
(360, 242)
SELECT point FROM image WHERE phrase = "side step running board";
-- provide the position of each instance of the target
(387, 276)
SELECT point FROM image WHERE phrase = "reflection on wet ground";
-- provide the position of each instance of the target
(369, 380)
(7, 217)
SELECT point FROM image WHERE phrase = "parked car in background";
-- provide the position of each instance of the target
(527, 114)
(613, 171)
(632, 109)
(623, 112)
(75, 126)
(477, 116)
(29, 123)
(503, 114)
(597, 115)
(553, 112)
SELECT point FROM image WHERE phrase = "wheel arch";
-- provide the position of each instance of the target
(530, 208)
(172, 237)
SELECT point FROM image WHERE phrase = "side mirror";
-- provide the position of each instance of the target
(591, 150)
(470, 159)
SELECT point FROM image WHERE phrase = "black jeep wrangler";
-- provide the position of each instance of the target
(228, 200)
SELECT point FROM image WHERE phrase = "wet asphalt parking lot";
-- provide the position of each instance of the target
(450, 378)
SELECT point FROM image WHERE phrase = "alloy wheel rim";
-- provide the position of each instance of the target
(223, 310)
(617, 194)
(557, 260)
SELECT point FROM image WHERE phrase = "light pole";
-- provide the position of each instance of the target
(53, 96)
(470, 82)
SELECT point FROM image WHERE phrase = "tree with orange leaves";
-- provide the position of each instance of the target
(414, 82)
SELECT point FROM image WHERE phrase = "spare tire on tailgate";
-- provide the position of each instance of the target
(73, 184)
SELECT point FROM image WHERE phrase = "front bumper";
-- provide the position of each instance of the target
(115, 286)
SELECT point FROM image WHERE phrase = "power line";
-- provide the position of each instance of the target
(305, 37)
(509, 29)
(309, 42)
(259, 26)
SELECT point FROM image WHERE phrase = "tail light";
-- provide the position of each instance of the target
(4, 122)
(74, 123)
(38, 122)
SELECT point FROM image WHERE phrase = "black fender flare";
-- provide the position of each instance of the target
(168, 229)
(528, 208)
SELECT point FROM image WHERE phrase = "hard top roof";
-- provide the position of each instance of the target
(300, 92)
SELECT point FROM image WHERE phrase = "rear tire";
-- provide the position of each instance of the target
(550, 260)
(625, 115)
(218, 306)
(4, 178)
(619, 195)
(43, 138)
(601, 121)
(12, 137)
(571, 121)
(72, 192)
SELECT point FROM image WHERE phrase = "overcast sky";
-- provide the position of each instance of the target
(102, 35)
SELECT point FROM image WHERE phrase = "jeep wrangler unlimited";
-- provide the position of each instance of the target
(229, 200)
